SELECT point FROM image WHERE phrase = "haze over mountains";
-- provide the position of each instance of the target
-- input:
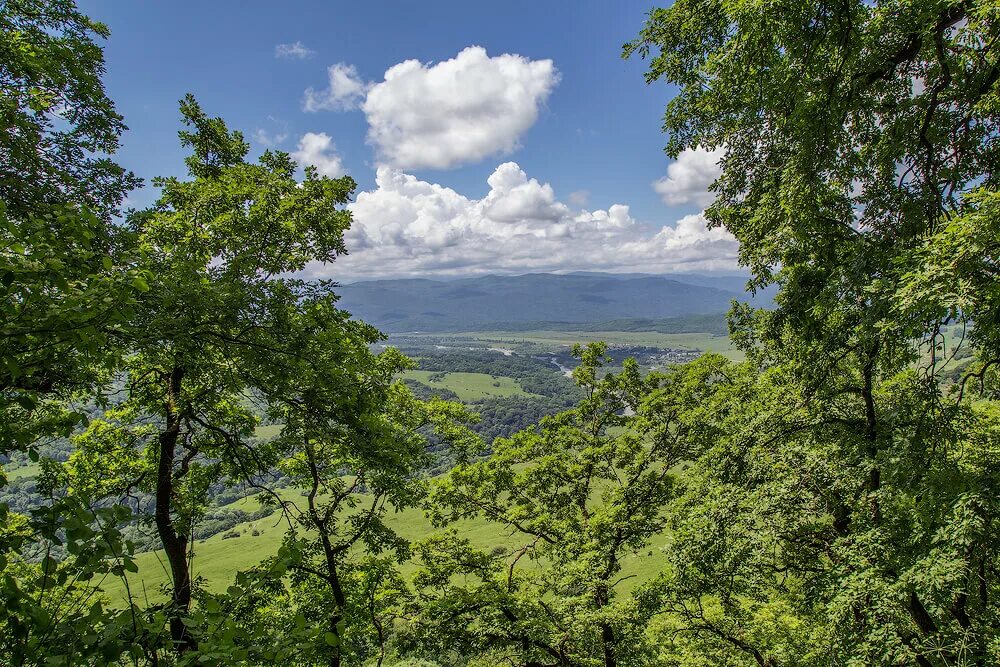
(541, 300)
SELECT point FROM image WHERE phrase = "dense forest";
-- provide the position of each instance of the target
(831, 500)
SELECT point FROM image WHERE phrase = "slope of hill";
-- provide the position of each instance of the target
(500, 302)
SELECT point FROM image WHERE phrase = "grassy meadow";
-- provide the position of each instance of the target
(541, 341)
(217, 559)
(469, 386)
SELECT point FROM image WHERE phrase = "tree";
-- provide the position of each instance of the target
(59, 125)
(65, 279)
(67, 285)
(219, 249)
(355, 440)
(858, 175)
(582, 494)
(853, 133)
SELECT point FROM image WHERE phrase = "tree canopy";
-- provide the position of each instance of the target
(854, 496)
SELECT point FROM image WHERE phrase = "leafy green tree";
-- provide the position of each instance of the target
(355, 441)
(859, 176)
(219, 248)
(65, 284)
(853, 134)
(59, 125)
(66, 288)
(583, 495)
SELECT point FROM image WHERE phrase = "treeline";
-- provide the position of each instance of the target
(695, 323)
(829, 501)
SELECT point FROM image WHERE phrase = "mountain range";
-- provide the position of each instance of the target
(543, 300)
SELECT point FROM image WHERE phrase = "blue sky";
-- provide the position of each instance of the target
(580, 123)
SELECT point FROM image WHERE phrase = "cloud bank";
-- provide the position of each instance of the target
(410, 227)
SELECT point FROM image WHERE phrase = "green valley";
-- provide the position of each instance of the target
(426, 335)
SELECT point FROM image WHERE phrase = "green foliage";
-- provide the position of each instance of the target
(65, 282)
(58, 123)
(579, 494)
(67, 286)
(840, 513)
(349, 427)
(50, 614)
(217, 314)
(830, 501)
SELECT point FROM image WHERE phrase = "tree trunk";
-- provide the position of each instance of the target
(174, 542)
(601, 599)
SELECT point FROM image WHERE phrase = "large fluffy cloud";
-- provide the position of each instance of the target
(408, 227)
(689, 176)
(443, 115)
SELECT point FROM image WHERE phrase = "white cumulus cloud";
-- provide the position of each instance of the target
(317, 149)
(344, 90)
(457, 111)
(689, 177)
(410, 227)
(295, 50)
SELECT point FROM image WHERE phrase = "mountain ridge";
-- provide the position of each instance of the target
(399, 305)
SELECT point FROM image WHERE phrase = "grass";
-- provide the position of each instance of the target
(470, 386)
(217, 560)
(268, 431)
(27, 470)
(557, 339)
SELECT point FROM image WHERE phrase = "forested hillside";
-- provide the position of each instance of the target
(176, 382)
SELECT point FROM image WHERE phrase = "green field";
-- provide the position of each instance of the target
(469, 386)
(268, 431)
(29, 470)
(217, 560)
(553, 340)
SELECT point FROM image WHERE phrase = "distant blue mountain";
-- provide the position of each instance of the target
(729, 282)
(511, 302)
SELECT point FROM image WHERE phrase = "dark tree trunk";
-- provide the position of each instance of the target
(174, 542)
(601, 598)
